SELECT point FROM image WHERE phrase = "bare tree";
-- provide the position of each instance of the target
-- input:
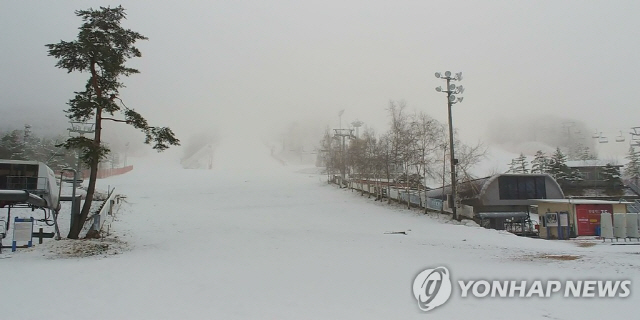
(357, 159)
(401, 140)
(326, 154)
(428, 136)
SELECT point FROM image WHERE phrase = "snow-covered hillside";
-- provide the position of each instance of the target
(252, 239)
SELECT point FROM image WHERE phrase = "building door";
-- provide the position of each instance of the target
(588, 217)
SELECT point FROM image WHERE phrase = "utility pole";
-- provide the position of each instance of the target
(451, 99)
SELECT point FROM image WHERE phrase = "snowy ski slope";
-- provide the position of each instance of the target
(253, 239)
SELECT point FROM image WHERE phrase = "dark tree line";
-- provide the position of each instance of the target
(24, 145)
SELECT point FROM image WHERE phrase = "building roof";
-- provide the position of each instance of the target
(590, 163)
(582, 201)
(472, 189)
(7, 161)
(518, 214)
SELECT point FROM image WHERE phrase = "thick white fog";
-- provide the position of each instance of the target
(254, 68)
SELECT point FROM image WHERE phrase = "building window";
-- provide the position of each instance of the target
(521, 188)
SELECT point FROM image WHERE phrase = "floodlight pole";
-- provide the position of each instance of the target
(357, 124)
(453, 159)
(451, 99)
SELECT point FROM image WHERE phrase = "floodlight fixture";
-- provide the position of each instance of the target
(450, 90)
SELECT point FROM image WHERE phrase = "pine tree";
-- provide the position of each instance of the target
(519, 165)
(540, 163)
(587, 154)
(522, 164)
(512, 166)
(563, 174)
(101, 49)
(611, 175)
(558, 168)
(632, 169)
(12, 146)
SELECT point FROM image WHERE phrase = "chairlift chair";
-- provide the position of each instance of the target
(603, 139)
(596, 135)
(620, 138)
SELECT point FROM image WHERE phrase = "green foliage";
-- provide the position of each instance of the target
(101, 49)
(87, 148)
(23, 145)
(12, 146)
(611, 175)
(162, 138)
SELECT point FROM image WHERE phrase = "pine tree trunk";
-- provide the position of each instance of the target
(78, 223)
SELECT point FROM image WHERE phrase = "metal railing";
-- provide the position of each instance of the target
(415, 197)
(106, 210)
(634, 207)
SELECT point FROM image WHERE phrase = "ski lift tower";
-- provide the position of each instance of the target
(341, 135)
(79, 129)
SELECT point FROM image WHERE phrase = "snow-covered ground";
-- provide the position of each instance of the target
(252, 239)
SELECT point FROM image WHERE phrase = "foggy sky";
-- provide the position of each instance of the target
(252, 67)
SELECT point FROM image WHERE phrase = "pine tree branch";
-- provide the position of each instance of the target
(116, 120)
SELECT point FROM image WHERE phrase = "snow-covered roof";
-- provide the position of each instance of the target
(518, 214)
(7, 161)
(590, 163)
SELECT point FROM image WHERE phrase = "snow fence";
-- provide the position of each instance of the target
(414, 197)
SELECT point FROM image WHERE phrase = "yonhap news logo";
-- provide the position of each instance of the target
(433, 287)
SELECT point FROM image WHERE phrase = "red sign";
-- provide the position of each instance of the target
(588, 216)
